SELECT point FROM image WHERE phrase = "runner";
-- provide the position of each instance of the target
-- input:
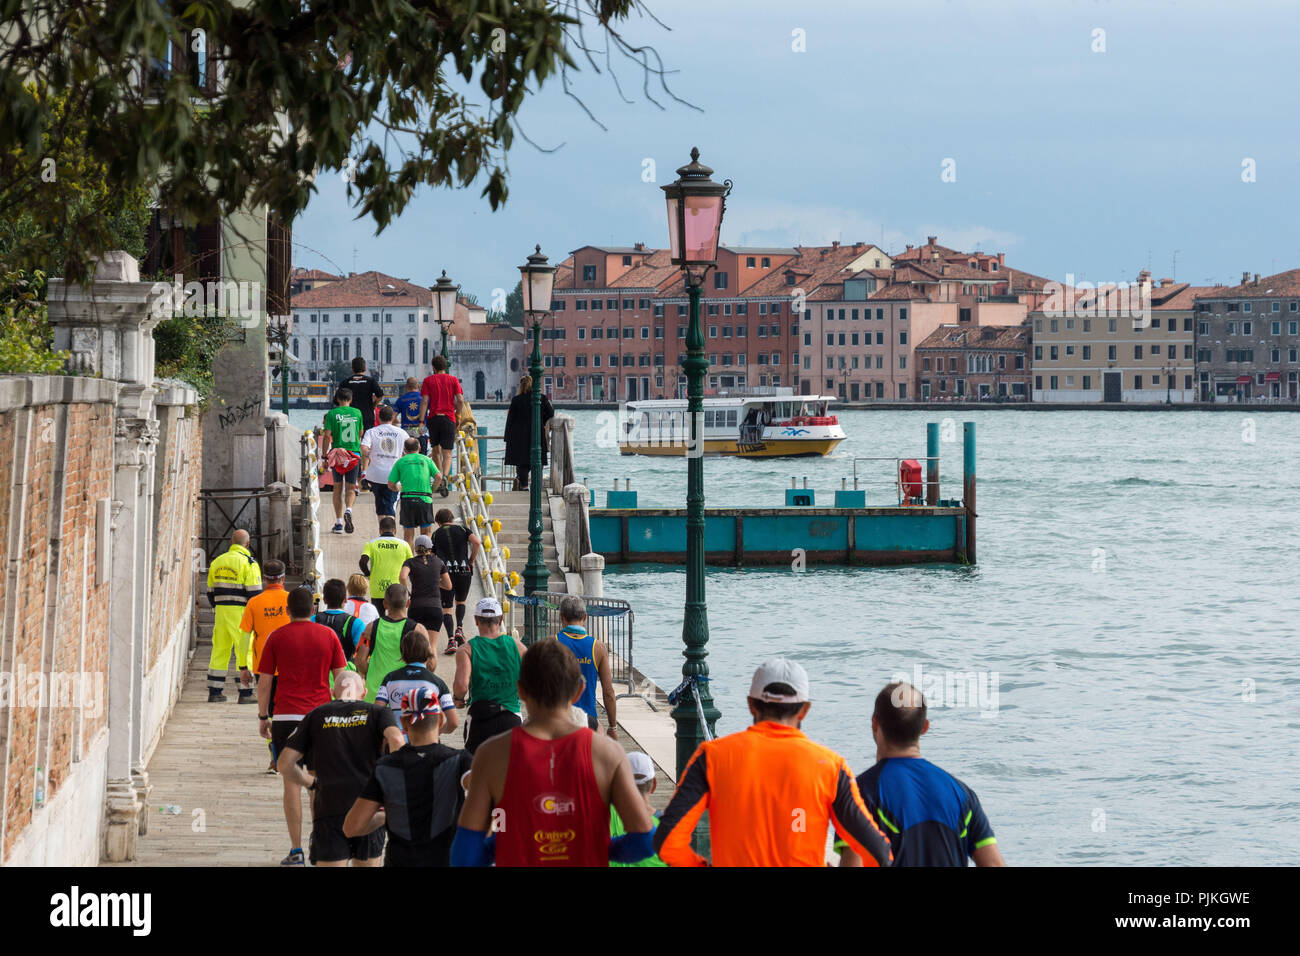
(382, 560)
(233, 578)
(347, 626)
(458, 547)
(593, 662)
(426, 577)
(341, 741)
(358, 602)
(552, 781)
(344, 427)
(931, 817)
(380, 650)
(381, 446)
(413, 474)
(438, 410)
(759, 783)
(643, 775)
(366, 391)
(408, 410)
(415, 673)
(418, 787)
(487, 669)
(302, 657)
(266, 611)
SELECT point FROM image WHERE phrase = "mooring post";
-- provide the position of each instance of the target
(932, 463)
(968, 486)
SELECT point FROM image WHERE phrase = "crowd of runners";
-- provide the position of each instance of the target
(350, 702)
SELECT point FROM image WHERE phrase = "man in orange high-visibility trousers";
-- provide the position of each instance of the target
(233, 578)
(771, 792)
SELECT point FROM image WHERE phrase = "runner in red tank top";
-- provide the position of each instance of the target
(546, 787)
(555, 813)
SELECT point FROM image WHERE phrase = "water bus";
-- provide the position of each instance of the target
(777, 425)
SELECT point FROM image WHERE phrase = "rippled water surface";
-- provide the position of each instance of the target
(1136, 597)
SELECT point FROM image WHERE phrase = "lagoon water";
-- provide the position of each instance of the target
(1135, 607)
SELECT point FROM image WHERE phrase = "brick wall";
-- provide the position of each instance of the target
(45, 518)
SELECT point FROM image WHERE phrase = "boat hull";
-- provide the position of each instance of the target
(771, 448)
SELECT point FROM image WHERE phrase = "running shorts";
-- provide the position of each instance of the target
(442, 432)
(330, 845)
(416, 513)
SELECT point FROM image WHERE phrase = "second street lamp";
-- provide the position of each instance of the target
(536, 281)
(695, 208)
(444, 300)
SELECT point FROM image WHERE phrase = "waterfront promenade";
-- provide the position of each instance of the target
(211, 762)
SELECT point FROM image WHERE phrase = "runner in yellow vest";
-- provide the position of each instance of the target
(233, 578)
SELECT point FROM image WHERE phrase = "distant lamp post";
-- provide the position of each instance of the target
(696, 205)
(278, 330)
(1169, 384)
(536, 280)
(444, 299)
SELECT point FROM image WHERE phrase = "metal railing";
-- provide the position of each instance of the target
(312, 559)
(496, 578)
(228, 510)
(860, 484)
(609, 620)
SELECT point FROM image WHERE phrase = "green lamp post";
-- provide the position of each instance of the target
(695, 208)
(536, 281)
(444, 299)
(278, 330)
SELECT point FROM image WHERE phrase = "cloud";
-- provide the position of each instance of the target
(788, 224)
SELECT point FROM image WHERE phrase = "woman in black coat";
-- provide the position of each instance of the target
(519, 431)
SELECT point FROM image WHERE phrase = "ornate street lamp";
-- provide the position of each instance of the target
(444, 300)
(536, 281)
(695, 208)
(278, 330)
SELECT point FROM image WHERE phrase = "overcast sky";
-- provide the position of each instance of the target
(1068, 160)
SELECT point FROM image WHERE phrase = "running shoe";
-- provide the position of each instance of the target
(451, 646)
(444, 490)
(347, 522)
(295, 858)
(338, 528)
(460, 637)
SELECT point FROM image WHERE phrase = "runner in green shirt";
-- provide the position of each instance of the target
(344, 427)
(643, 775)
(382, 560)
(414, 473)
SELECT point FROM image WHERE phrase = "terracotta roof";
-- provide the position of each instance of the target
(926, 252)
(813, 266)
(309, 274)
(900, 291)
(1279, 284)
(977, 336)
(1178, 296)
(364, 290)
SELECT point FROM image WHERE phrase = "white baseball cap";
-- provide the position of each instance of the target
(778, 670)
(643, 768)
(488, 607)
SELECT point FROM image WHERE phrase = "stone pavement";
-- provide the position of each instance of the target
(211, 763)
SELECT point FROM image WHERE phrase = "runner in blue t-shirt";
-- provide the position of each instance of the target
(930, 817)
(408, 407)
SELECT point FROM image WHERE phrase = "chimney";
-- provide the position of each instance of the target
(639, 247)
(909, 247)
(1256, 278)
(1002, 259)
(1245, 277)
(931, 240)
(1144, 276)
(835, 243)
(1166, 282)
(859, 244)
